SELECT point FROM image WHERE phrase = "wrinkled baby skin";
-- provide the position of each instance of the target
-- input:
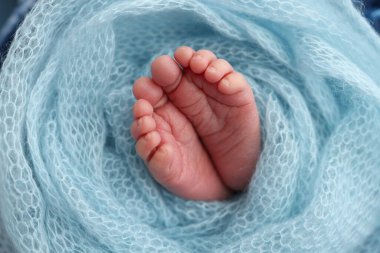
(196, 125)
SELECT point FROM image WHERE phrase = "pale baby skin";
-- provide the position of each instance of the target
(196, 125)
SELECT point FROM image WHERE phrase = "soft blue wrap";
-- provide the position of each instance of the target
(70, 180)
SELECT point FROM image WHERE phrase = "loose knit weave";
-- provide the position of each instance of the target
(70, 180)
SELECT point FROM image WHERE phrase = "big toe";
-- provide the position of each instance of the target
(144, 88)
(166, 73)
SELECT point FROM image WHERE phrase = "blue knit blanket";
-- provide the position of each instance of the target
(70, 180)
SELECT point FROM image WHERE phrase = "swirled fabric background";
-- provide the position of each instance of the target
(70, 180)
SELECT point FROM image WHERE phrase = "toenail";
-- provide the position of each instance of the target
(140, 122)
(197, 57)
(211, 69)
(149, 136)
(225, 82)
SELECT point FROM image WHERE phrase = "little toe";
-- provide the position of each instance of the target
(166, 73)
(217, 70)
(142, 108)
(200, 61)
(147, 144)
(233, 83)
(145, 88)
(183, 55)
(142, 126)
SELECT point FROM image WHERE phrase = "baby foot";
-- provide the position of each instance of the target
(220, 104)
(201, 100)
(170, 147)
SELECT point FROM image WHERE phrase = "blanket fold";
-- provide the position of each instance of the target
(70, 179)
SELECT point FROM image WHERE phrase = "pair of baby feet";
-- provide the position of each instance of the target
(196, 125)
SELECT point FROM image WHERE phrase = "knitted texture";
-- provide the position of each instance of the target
(70, 180)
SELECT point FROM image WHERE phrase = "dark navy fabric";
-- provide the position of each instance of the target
(372, 12)
(10, 26)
